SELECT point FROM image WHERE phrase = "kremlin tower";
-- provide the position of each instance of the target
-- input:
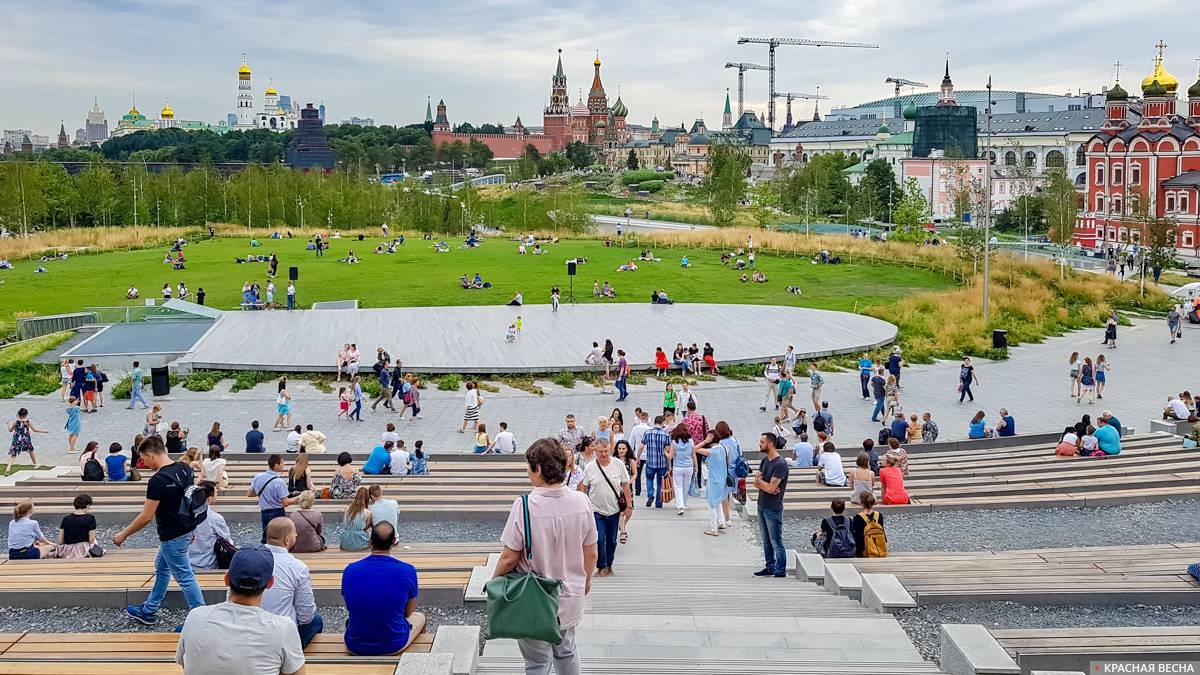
(245, 99)
(555, 122)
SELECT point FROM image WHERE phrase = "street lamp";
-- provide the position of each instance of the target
(987, 214)
(300, 203)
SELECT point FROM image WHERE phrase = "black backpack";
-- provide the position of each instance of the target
(818, 422)
(841, 542)
(92, 471)
(884, 434)
(193, 505)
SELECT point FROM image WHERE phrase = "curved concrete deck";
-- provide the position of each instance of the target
(471, 339)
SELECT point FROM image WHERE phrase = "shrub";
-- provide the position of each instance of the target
(742, 371)
(522, 382)
(248, 379)
(203, 380)
(564, 379)
(450, 382)
(650, 185)
(489, 387)
(641, 175)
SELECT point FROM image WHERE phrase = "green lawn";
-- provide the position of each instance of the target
(416, 276)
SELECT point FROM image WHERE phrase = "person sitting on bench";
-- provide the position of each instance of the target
(1175, 409)
(381, 599)
(516, 301)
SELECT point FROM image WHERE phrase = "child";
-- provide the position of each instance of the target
(510, 335)
(25, 538)
(517, 323)
(1088, 444)
(343, 403)
(660, 362)
(669, 399)
(482, 442)
(420, 463)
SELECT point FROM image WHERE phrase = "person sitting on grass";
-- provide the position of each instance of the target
(744, 278)
(607, 291)
(683, 262)
(238, 635)
(380, 592)
(131, 294)
(25, 538)
(759, 277)
(517, 300)
(630, 266)
(660, 298)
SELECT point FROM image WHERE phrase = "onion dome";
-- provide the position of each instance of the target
(1117, 93)
(601, 123)
(910, 111)
(244, 71)
(271, 91)
(1194, 90)
(1167, 81)
(1155, 88)
(134, 112)
(619, 109)
(166, 113)
(597, 61)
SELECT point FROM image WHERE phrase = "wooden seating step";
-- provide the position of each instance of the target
(1072, 649)
(136, 647)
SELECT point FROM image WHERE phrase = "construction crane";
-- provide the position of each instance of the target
(791, 96)
(901, 82)
(774, 42)
(742, 68)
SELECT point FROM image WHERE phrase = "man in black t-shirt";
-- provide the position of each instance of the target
(164, 493)
(771, 480)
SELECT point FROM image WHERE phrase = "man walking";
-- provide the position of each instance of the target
(772, 372)
(272, 493)
(877, 390)
(894, 364)
(165, 492)
(622, 375)
(771, 480)
(654, 445)
(815, 381)
(385, 388)
(135, 387)
(866, 368)
(640, 427)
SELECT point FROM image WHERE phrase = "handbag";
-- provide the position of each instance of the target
(668, 489)
(134, 474)
(224, 549)
(523, 605)
(622, 503)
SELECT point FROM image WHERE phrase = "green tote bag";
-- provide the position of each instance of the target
(523, 605)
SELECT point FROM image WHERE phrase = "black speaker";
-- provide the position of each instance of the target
(570, 268)
(293, 273)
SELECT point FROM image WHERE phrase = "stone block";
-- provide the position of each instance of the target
(1055, 672)
(810, 567)
(425, 664)
(969, 649)
(884, 593)
(843, 579)
(462, 643)
(479, 578)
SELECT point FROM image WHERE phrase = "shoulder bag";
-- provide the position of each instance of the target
(523, 605)
(622, 503)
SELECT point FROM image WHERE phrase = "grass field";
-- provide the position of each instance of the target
(417, 276)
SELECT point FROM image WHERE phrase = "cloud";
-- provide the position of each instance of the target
(492, 59)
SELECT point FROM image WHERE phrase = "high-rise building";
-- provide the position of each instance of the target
(310, 148)
(15, 137)
(321, 112)
(96, 126)
(360, 121)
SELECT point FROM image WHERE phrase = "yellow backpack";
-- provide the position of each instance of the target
(874, 538)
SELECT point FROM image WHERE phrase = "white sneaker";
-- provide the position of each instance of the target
(680, 512)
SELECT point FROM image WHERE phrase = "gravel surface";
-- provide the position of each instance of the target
(984, 530)
(97, 620)
(922, 623)
(417, 531)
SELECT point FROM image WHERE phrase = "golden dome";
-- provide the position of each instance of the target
(244, 70)
(271, 91)
(1167, 80)
(597, 61)
(134, 112)
(166, 113)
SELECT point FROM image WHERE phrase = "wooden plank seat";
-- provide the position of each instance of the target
(139, 647)
(64, 667)
(1071, 649)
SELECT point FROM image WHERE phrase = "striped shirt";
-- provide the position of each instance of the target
(656, 441)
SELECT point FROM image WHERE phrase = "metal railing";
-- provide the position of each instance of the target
(38, 326)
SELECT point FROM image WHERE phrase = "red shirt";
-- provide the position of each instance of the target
(893, 485)
(696, 424)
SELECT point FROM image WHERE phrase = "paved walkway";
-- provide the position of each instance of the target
(681, 601)
(1032, 384)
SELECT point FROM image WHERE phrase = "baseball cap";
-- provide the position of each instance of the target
(251, 568)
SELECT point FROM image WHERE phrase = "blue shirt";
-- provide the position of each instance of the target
(893, 364)
(116, 466)
(377, 590)
(377, 461)
(977, 429)
(1109, 439)
(271, 493)
(254, 441)
(136, 378)
(1115, 424)
(900, 430)
(385, 378)
(655, 440)
(683, 455)
(1010, 426)
(865, 367)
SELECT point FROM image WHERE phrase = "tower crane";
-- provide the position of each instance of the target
(901, 82)
(742, 68)
(791, 96)
(774, 42)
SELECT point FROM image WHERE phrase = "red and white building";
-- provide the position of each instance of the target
(1146, 150)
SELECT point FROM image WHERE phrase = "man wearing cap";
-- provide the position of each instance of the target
(238, 635)
(381, 598)
(291, 595)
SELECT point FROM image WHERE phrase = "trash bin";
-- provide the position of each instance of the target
(999, 340)
(160, 383)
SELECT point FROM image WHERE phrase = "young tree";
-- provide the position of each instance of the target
(880, 182)
(631, 162)
(1061, 202)
(1158, 235)
(911, 213)
(580, 155)
(726, 181)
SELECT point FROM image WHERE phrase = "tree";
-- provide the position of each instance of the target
(726, 181)
(1158, 235)
(911, 213)
(60, 194)
(579, 154)
(879, 182)
(1061, 203)
(98, 196)
(631, 162)
(478, 154)
(1022, 214)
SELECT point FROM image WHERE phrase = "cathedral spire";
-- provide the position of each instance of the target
(559, 71)
(727, 116)
(946, 96)
(428, 110)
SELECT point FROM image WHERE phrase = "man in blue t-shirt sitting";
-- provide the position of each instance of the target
(379, 462)
(1007, 426)
(1107, 437)
(381, 599)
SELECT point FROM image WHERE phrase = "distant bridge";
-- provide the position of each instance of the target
(494, 179)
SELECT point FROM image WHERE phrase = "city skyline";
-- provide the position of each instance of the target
(492, 61)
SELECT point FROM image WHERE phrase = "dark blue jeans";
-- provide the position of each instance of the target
(878, 409)
(965, 391)
(770, 528)
(864, 379)
(606, 538)
(309, 630)
(267, 516)
(621, 390)
(654, 479)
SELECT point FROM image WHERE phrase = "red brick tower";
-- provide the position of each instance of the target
(556, 116)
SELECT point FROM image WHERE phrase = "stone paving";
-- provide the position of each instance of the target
(1032, 384)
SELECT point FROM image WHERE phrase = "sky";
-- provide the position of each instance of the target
(491, 60)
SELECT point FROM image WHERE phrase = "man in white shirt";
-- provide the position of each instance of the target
(206, 534)
(642, 419)
(398, 464)
(831, 472)
(685, 395)
(390, 435)
(772, 372)
(238, 636)
(291, 595)
(312, 441)
(505, 442)
(1175, 410)
(293, 440)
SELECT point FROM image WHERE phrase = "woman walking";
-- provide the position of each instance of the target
(669, 399)
(1101, 375)
(64, 377)
(473, 401)
(22, 441)
(414, 396)
(356, 388)
(624, 454)
(891, 398)
(73, 425)
(607, 486)
(283, 407)
(733, 449)
(1073, 363)
(1087, 381)
(561, 539)
(720, 482)
(1110, 331)
(966, 376)
(681, 454)
(154, 420)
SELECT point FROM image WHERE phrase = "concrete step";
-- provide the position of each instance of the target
(635, 665)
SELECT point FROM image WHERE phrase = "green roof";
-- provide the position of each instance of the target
(904, 138)
(861, 167)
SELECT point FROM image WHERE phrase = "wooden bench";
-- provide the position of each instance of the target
(1071, 649)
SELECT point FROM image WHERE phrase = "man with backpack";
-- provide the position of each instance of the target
(271, 490)
(823, 420)
(177, 506)
(836, 538)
